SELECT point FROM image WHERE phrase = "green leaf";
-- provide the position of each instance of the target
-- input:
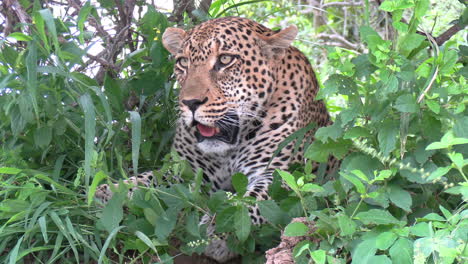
(289, 179)
(9, 170)
(50, 23)
(450, 58)
(383, 175)
(317, 152)
(239, 182)
(393, 5)
(379, 259)
(356, 182)
(457, 159)
(111, 236)
(271, 211)
(242, 223)
(406, 103)
(377, 216)
(343, 84)
(135, 119)
(346, 224)
(310, 187)
(319, 256)
(388, 136)
(20, 36)
(112, 214)
(43, 137)
(90, 132)
(364, 251)
(92, 189)
(356, 132)
(409, 42)
(433, 105)
(400, 197)
(334, 132)
(402, 251)
(364, 68)
(146, 240)
(421, 229)
(296, 229)
(225, 220)
(14, 253)
(166, 223)
(439, 172)
(43, 226)
(82, 15)
(385, 240)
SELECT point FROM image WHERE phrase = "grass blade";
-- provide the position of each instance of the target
(108, 240)
(90, 132)
(14, 252)
(135, 119)
(147, 241)
(50, 23)
(31, 81)
(43, 226)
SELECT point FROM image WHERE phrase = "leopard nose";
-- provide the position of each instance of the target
(193, 104)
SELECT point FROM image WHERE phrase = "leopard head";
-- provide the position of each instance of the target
(226, 70)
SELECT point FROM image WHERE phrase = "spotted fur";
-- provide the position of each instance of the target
(245, 84)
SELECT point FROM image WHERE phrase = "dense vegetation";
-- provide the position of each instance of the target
(87, 96)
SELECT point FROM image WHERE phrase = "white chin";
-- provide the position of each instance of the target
(214, 146)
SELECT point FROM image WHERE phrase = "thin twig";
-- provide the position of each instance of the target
(434, 76)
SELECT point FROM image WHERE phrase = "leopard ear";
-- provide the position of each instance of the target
(172, 39)
(274, 46)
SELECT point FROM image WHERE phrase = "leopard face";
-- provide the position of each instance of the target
(225, 70)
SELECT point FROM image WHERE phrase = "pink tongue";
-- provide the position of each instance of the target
(206, 131)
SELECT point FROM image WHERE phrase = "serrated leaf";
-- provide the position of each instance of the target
(271, 211)
(364, 251)
(402, 251)
(406, 103)
(225, 220)
(439, 172)
(346, 224)
(377, 216)
(383, 174)
(43, 136)
(112, 214)
(385, 240)
(289, 179)
(356, 182)
(434, 106)
(310, 187)
(319, 256)
(296, 229)
(388, 136)
(400, 197)
(239, 182)
(421, 229)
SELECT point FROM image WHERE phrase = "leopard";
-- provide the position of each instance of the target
(244, 89)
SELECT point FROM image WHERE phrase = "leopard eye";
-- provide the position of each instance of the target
(183, 62)
(225, 59)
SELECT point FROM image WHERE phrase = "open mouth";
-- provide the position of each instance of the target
(222, 131)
